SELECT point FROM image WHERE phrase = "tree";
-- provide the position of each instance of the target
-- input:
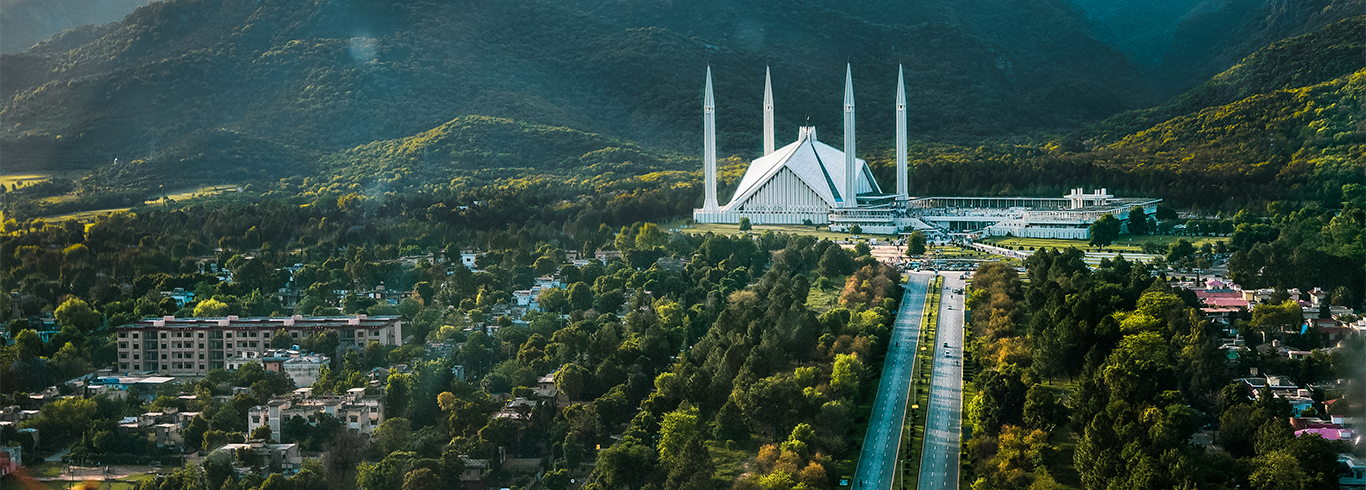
(626, 464)
(1138, 221)
(421, 479)
(1042, 410)
(1104, 231)
(342, 454)
(580, 296)
(844, 379)
(282, 340)
(553, 299)
(1275, 317)
(915, 245)
(651, 236)
(397, 395)
(29, 344)
(856, 230)
(570, 380)
(211, 307)
(1278, 470)
(744, 224)
(425, 291)
(392, 434)
(1180, 250)
(77, 313)
(678, 428)
(835, 262)
(730, 423)
(263, 433)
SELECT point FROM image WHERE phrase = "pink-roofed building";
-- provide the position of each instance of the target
(1221, 298)
(1328, 433)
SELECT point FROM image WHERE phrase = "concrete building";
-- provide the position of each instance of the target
(304, 369)
(355, 410)
(810, 182)
(194, 346)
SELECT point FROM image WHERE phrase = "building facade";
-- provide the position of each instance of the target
(194, 346)
(355, 410)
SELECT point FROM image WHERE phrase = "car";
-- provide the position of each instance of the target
(950, 307)
(946, 345)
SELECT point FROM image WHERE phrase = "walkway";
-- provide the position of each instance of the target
(939, 459)
(877, 464)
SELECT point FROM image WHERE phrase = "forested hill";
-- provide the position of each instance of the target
(328, 75)
(1301, 61)
(487, 149)
(26, 22)
(1179, 44)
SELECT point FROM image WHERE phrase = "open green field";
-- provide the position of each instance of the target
(822, 300)
(86, 216)
(728, 229)
(192, 192)
(30, 178)
(1126, 243)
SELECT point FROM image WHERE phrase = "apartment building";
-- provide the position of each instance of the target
(355, 410)
(194, 346)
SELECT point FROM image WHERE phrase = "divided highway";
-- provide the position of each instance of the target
(939, 459)
(877, 464)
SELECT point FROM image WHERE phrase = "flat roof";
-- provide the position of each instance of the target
(231, 323)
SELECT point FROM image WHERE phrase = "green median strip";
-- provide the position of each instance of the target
(913, 435)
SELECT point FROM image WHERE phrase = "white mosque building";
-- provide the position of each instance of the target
(810, 182)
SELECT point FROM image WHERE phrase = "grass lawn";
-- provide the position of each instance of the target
(823, 300)
(730, 462)
(84, 215)
(729, 229)
(30, 178)
(1126, 243)
(191, 192)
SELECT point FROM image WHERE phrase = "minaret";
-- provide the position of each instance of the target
(768, 114)
(709, 144)
(850, 163)
(903, 183)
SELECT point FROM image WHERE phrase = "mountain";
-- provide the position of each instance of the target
(1143, 31)
(1218, 33)
(1301, 61)
(28, 22)
(487, 149)
(316, 77)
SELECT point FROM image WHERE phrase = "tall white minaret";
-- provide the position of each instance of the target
(903, 183)
(768, 114)
(709, 144)
(850, 163)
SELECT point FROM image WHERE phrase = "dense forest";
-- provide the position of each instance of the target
(723, 353)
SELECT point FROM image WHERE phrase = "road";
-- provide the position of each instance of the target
(877, 463)
(939, 459)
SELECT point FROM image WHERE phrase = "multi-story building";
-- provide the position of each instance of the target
(355, 410)
(194, 346)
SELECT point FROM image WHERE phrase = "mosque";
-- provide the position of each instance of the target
(809, 182)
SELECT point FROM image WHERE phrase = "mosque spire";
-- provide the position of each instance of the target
(903, 182)
(850, 197)
(768, 114)
(709, 145)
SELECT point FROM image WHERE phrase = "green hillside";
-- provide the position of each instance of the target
(1301, 61)
(491, 149)
(325, 76)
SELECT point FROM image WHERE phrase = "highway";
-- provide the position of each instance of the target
(939, 459)
(877, 464)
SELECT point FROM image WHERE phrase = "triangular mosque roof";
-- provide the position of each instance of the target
(819, 165)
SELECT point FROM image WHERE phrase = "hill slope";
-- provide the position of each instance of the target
(28, 22)
(336, 74)
(1309, 59)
